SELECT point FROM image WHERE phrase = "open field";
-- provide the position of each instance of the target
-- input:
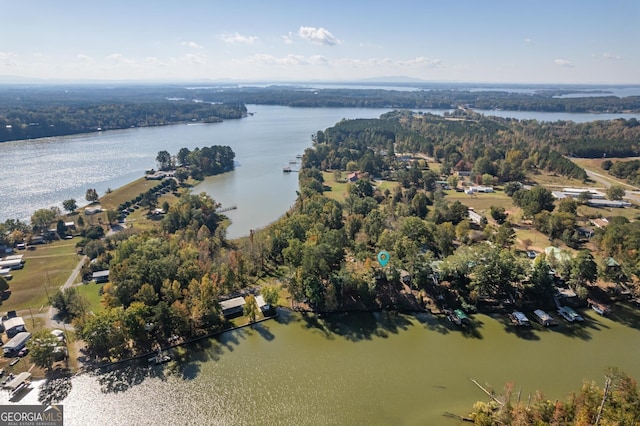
(92, 292)
(46, 269)
(481, 202)
(630, 213)
(127, 192)
(340, 190)
(551, 181)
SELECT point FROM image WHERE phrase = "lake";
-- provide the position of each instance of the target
(43, 172)
(354, 369)
(351, 369)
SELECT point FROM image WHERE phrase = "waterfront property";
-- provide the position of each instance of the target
(232, 307)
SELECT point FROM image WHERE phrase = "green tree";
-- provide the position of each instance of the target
(4, 286)
(70, 303)
(92, 195)
(270, 294)
(505, 235)
(70, 205)
(250, 307)
(615, 192)
(583, 269)
(419, 205)
(498, 214)
(534, 201)
(164, 160)
(103, 333)
(42, 348)
(568, 205)
(42, 218)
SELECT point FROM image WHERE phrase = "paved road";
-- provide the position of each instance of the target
(50, 312)
(631, 193)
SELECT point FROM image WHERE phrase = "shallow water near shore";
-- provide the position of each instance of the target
(366, 368)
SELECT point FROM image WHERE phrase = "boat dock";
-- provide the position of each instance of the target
(226, 209)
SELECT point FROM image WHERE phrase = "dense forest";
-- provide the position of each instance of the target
(36, 120)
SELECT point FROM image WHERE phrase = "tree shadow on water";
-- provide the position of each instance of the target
(263, 331)
(366, 325)
(121, 379)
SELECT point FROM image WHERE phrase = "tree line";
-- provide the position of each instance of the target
(38, 121)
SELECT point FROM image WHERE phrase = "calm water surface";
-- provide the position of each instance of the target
(374, 369)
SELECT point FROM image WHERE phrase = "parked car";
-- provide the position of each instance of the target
(23, 352)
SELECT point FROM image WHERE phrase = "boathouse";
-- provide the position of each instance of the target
(232, 307)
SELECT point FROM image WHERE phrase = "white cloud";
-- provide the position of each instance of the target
(192, 44)
(564, 63)
(421, 62)
(85, 59)
(610, 55)
(8, 59)
(265, 59)
(120, 58)
(288, 38)
(238, 38)
(194, 59)
(318, 60)
(319, 36)
(151, 60)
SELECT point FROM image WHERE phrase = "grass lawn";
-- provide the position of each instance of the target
(127, 192)
(93, 293)
(558, 181)
(340, 190)
(481, 202)
(630, 213)
(538, 239)
(49, 266)
(337, 190)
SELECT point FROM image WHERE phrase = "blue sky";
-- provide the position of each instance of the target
(511, 41)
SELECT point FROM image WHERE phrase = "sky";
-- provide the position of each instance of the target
(514, 41)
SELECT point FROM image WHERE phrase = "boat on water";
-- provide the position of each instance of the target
(569, 314)
(458, 317)
(293, 162)
(299, 156)
(520, 319)
(286, 169)
(159, 358)
(600, 308)
(544, 318)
